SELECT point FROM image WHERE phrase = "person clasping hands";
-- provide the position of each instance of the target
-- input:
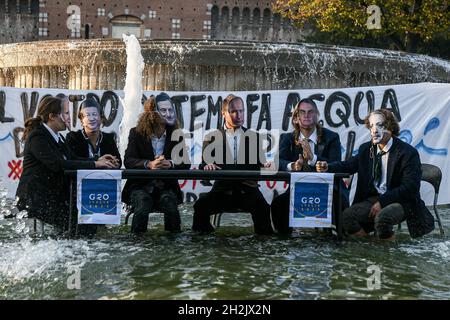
(160, 162)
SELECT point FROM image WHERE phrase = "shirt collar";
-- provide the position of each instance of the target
(387, 147)
(312, 137)
(232, 131)
(163, 136)
(54, 135)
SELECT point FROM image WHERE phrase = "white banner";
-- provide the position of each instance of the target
(311, 200)
(99, 196)
(423, 110)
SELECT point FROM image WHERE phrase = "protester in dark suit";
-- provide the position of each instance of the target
(90, 142)
(42, 189)
(388, 190)
(232, 147)
(300, 150)
(150, 147)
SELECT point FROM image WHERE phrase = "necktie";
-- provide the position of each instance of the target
(60, 144)
(377, 168)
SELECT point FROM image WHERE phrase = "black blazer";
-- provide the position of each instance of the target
(403, 182)
(328, 149)
(249, 154)
(138, 151)
(80, 145)
(42, 189)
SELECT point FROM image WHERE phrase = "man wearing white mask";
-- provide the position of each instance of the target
(388, 190)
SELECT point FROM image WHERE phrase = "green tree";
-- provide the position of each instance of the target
(406, 25)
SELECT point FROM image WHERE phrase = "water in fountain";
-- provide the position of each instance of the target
(133, 89)
(233, 263)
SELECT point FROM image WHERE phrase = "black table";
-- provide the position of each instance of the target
(215, 175)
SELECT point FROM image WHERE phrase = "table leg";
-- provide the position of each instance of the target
(339, 212)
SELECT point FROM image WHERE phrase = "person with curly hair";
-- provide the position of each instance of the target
(150, 147)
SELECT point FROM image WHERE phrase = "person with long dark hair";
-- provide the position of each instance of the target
(42, 190)
(300, 149)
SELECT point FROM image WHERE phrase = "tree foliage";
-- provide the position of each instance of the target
(406, 24)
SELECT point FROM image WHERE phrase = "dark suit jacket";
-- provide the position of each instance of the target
(80, 146)
(42, 188)
(249, 155)
(328, 149)
(138, 151)
(403, 182)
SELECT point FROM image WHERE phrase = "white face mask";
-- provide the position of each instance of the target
(377, 129)
(167, 112)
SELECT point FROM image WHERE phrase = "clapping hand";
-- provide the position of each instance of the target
(307, 153)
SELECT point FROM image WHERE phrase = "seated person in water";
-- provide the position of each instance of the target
(43, 191)
(90, 142)
(300, 150)
(150, 147)
(388, 190)
(236, 147)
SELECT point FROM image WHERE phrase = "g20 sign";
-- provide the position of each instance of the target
(99, 196)
(311, 200)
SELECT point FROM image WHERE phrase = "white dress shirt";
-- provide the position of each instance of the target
(54, 135)
(233, 138)
(384, 162)
(158, 144)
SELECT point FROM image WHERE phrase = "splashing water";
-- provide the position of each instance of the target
(133, 89)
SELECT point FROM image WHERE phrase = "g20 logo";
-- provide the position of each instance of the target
(310, 200)
(99, 196)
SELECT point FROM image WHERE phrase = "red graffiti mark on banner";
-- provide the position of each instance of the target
(183, 184)
(271, 184)
(16, 169)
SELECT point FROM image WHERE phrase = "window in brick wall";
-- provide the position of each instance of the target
(176, 23)
(101, 12)
(75, 33)
(43, 32)
(152, 14)
(208, 8)
(147, 33)
(176, 35)
(105, 31)
(43, 17)
(207, 25)
(206, 36)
